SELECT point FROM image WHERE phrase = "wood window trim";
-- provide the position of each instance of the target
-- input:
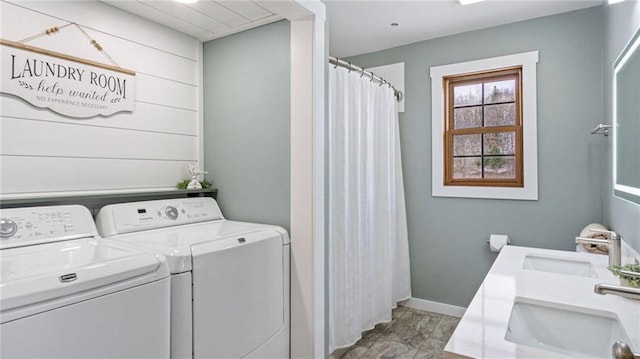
(449, 82)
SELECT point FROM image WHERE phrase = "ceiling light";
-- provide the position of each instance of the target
(467, 2)
(187, 1)
(394, 24)
(614, 1)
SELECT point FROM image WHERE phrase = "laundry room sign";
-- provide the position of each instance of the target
(65, 84)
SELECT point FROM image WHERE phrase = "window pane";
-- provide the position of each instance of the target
(499, 91)
(465, 145)
(499, 143)
(467, 117)
(467, 95)
(500, 115)
(467, 167)
(500, 167)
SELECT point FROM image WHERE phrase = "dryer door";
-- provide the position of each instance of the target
(238, 294)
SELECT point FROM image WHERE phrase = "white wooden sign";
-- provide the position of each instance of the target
(65, 84)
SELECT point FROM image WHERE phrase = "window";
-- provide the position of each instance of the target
(483, 129)
(484, 135)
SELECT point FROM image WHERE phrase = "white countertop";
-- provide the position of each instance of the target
(482, 329)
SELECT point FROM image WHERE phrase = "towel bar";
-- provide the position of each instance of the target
(601, 129)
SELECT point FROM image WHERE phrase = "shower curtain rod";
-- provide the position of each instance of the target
(375, 78)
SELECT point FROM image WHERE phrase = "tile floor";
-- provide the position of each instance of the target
(411, 334)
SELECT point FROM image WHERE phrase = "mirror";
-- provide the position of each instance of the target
(626, 120)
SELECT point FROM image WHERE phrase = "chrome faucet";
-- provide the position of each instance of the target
(624, 291)
(612, 242)
(621, 350)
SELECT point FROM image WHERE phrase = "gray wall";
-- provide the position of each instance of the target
(620, 23)
(449, 255)
(247, 123)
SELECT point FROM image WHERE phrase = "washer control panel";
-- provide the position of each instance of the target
(34, 225)
(138, 216)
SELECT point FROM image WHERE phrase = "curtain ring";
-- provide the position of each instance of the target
(350, 67)
(361, 73)
(372, 76)
(335, 66)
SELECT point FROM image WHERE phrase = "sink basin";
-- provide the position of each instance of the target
(558, 265)
(563, 329)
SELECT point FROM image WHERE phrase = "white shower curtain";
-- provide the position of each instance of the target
(368, 245)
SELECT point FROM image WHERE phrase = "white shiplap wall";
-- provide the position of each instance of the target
(45, 154)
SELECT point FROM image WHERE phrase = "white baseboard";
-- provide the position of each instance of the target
(436, 307)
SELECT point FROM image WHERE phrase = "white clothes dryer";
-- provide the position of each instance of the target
(67, 293)
(229, 279)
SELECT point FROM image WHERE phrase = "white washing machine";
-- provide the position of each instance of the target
(229, 280)
(67, 293)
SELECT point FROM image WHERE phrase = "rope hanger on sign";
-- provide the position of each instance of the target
(55, 29)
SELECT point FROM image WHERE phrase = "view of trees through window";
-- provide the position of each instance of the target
(483, 126)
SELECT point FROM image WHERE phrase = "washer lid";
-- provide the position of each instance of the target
(39, 273)
(175, 242)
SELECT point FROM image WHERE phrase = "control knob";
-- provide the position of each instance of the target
(7, 228)
(171, 212)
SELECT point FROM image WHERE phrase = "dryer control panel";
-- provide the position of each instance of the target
(35, 225)
(138, 216)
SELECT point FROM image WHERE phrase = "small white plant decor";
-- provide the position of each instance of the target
(193, 182)
(627, 280)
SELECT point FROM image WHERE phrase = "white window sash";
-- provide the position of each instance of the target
(528, 61)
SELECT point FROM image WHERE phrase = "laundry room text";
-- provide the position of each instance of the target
(80, 89)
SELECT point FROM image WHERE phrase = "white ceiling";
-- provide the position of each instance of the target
(358, 27)
(206, 19)
(355, 26)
